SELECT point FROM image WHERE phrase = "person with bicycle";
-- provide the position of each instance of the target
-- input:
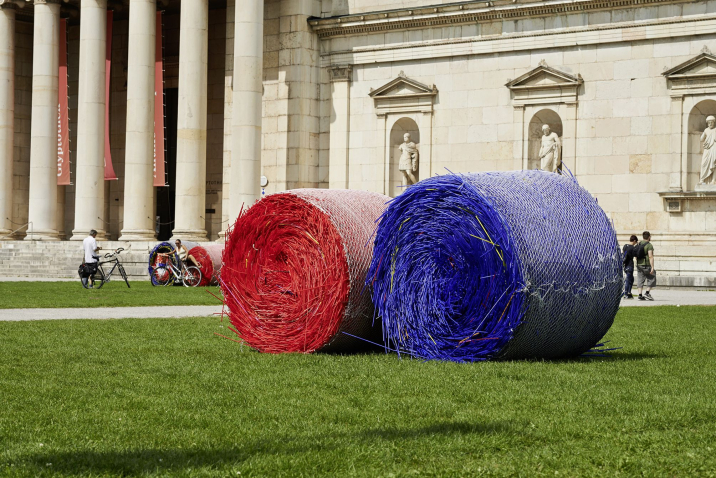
(183, 253)
(89, 244)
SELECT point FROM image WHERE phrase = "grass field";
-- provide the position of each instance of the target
(14, 295)
(169, 398)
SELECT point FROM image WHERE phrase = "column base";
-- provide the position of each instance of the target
(137, 235)
(42, 235)
(80, 234)
(193, 235)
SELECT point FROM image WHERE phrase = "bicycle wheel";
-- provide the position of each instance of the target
(162, 275)
(99, 278)
(124, 274)
(191, 276)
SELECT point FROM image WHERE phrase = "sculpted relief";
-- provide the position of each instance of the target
(708, 160)
(550, 151)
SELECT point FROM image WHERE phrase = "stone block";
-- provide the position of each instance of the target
(659, 144)
(611, 127)
(640, 163)
(630, 107)
(640, 202)
(641, 125)
(612, 89)
(611, 52)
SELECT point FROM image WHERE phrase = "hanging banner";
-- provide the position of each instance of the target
(159, 108)
(63, 122)
(108, 169)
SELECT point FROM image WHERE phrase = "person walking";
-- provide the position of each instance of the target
(646, 273)
(89, 244)
(628, 261)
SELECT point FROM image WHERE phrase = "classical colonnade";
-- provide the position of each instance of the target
(139, 161)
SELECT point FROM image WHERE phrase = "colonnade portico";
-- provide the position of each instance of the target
(137, 216)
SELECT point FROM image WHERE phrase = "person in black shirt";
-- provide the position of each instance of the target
(628, 260)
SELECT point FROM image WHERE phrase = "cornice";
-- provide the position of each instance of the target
(462, 13)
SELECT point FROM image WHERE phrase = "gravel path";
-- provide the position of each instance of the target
(110, 313)
(661, 297)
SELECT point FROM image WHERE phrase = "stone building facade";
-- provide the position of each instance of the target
(627, 85)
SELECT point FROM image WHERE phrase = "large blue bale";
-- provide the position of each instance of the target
(498, 265)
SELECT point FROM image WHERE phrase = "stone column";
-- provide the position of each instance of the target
(42, 212)
(89, 183)
(7, 112)
(340, 127)
(191, 125)
(246, 114)
(139, 158)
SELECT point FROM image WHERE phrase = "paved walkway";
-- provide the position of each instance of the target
(661, 297)
(110, 313)
(673, 297)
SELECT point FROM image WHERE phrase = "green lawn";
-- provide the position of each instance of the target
(115, 293)
(170, 398)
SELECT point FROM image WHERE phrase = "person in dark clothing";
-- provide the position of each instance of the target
(628, 260)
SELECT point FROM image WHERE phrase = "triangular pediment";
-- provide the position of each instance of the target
(700, 66)
(403, 86)
(544, 76)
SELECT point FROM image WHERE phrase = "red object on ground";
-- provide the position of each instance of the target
(294, 268)
(209, 256)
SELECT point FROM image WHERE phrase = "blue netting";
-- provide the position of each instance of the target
(521, 264)
(162, 247)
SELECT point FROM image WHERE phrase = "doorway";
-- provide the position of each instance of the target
(165, 195)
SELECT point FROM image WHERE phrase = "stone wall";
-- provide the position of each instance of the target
(622, 131)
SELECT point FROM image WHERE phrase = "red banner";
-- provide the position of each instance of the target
(63, 122)
(108, 169)
(159, 108)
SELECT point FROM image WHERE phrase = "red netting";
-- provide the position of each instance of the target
(209, 256)
(294, 268)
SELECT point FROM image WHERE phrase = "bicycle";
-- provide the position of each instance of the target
(166, 273)
(100, 277)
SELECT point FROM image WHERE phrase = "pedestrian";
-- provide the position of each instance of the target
(646, 273)
(628, 261)
(89, 244)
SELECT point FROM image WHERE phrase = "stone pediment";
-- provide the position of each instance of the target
(403, 94)
(544, 85)
(697, 75)
(402, 86)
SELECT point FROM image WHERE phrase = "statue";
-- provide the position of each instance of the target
(408, 160)
(550, 152)
(708, 161)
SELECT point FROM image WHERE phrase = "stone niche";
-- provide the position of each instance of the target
(546, 95)
(692, 87)
(403, 105)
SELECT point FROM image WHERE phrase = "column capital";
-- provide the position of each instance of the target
(341, 73)
(44, 2)
(7, 5)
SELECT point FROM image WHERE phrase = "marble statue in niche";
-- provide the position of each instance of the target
(708, 160)
(408, 160)
(550, 152)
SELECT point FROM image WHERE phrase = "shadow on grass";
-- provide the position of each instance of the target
(146, 461)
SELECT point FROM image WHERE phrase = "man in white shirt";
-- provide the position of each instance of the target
(89, 244)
